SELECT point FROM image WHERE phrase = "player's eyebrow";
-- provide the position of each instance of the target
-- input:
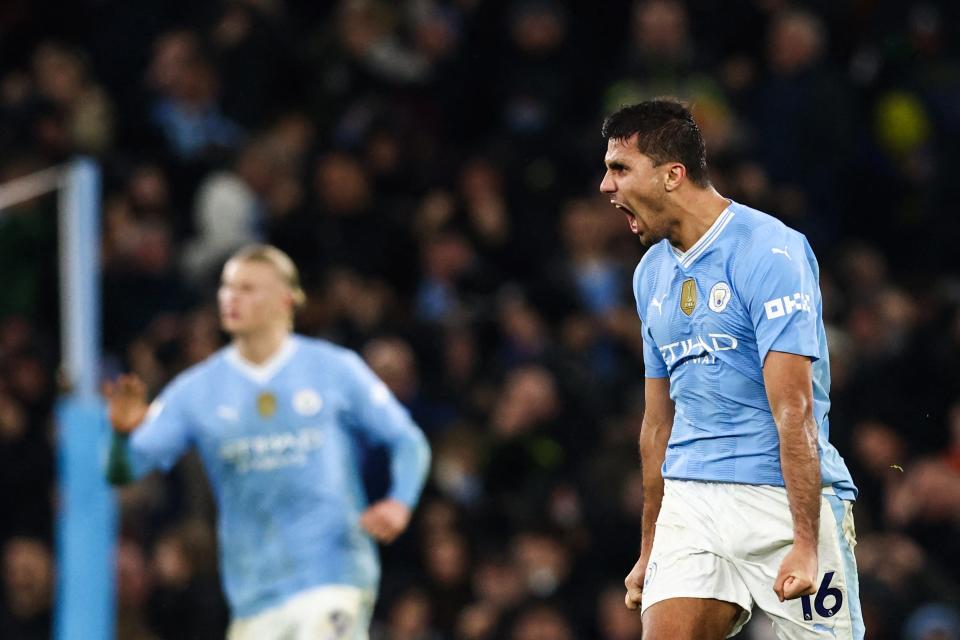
(615, 165)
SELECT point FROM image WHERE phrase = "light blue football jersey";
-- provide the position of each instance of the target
(749, 286)
(280, 444)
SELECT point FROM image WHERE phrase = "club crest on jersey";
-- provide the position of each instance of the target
(719, 297)
(688, 296)
(266, 404)
(307, 402)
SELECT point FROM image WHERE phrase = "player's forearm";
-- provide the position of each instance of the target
(653, 450)
(409, 464)
(800, 462)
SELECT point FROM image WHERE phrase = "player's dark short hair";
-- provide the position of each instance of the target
(666, 132)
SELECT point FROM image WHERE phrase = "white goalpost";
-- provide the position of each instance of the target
(85, 511)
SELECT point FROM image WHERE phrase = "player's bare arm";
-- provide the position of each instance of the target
(789, 384)
(654, 434)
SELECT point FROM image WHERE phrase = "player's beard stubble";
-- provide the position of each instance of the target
(653, 227)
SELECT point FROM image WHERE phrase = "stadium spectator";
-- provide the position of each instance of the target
(62, 77)
(229, 211)
(186, 108)
(28, 589)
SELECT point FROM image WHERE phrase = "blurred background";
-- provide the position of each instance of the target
(432, 167)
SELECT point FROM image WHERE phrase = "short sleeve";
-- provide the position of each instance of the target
(375, 409)
(653, 364)
(777, 280)
(164, 435)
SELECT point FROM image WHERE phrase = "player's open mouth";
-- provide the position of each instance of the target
(632, 221)
(622, 207)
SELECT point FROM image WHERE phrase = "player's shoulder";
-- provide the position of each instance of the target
(760, 238)
(765, 246)
(324, 351)
(759, 226)
(193, 379)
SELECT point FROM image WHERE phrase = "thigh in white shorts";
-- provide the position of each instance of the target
(726, 541)
(333, 612)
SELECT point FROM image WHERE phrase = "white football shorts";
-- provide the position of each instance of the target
(726, 541)
(333, 612)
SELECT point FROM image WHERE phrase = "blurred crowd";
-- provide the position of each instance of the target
(432, 167)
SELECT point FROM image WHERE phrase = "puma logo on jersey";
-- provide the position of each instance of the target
(777, 250)
(658, 303)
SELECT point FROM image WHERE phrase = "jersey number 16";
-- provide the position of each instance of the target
(819, 601)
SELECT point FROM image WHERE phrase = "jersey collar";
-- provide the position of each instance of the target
(262, 373)
(688, 257)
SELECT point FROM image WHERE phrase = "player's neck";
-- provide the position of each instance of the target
(697, 213)
(258, 347)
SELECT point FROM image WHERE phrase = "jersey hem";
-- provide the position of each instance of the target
(835, 488)
(259, 605)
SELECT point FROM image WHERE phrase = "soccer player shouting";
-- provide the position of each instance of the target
(746, 501)
(279, 421)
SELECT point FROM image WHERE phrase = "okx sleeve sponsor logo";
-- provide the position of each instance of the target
(780, 307)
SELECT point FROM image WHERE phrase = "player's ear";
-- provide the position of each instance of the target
(675, 175)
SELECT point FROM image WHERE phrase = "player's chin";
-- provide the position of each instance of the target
(646, 239)
(649, 237)
(233, 326)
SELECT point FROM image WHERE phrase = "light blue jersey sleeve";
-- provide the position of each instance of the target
(378, 414)
(777, 281)
(164, 435)
(653, 363)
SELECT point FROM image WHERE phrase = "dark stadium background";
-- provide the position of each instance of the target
(432, 166)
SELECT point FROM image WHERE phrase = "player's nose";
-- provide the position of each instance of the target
(607, 185)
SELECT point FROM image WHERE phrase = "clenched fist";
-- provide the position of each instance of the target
(797, 574)
(634, 583)
(385, 520)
